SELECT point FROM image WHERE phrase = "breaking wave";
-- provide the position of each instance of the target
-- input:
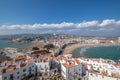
(83, 50)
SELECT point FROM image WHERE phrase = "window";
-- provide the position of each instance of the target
(63, 71)
(33, 70)
(42, 68)
(29, 68)
(18, 77)
(24, 70)
(45, 66)
(17, 72)
(11, 76)
(5, 78)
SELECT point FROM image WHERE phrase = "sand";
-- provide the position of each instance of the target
(71, 48)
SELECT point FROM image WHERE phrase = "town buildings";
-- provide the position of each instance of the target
(102, 67)
(49, 67)
(19, 68)
(46, 66)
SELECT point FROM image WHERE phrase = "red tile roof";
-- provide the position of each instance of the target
(77, 61)
(69, 64)
(20, 57)
(8, 69)
(23, 64)
(117, 65)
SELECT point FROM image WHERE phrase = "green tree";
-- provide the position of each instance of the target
(49, 46)
(35, 48)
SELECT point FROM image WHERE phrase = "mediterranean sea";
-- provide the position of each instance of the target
(105, 52)
(6, 43)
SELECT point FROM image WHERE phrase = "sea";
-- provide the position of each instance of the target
(7, 43)
(105, 52)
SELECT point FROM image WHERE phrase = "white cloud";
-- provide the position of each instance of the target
(38, 26)
(109, 22)
(87, 24)
(84, 24)
(94, 25)
(49, 26)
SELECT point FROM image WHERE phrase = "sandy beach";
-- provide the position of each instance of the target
(71, 48)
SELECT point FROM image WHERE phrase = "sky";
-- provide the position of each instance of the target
(79, 17)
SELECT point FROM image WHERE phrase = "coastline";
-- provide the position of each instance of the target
(7, 43)
(71, 48)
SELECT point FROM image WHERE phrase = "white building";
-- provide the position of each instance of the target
(101, 66)
(18, 70)
(72, 69)
(19, 74)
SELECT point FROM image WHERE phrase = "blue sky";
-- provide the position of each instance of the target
(81, 17)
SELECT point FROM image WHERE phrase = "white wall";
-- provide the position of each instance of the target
(41, 67)
(71, 71)
(63, 71)
(21, 73)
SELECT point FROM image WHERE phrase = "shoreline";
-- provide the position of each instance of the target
(29, 45)
(69, 49)
(6, 43)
